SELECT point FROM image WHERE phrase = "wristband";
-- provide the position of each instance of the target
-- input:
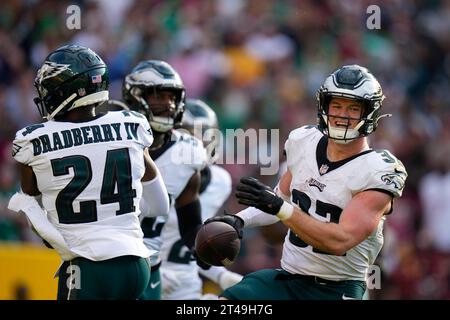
(286, 211)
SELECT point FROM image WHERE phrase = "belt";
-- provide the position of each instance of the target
(318, 280)
(155, 267)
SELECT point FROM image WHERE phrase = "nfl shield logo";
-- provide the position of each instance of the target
(323, 169)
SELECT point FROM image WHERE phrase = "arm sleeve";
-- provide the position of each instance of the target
(256, 218)
(37, 217)
(222, 276)
(155, 199)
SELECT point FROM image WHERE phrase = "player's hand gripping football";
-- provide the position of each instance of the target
(233, 220)
(202, 264)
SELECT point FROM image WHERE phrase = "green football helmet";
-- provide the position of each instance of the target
(71, 77)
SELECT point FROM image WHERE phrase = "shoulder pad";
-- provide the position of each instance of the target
(388, 173)
(22, 148)
(30, 129)
(133, 114)
(302, 132)
(144, 131)
(305, 134)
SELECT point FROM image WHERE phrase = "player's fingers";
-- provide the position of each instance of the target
(248, 189)
(246, 202)
(245, 195)
(252, 182)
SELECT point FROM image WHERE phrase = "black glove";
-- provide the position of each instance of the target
(253, 193)
(233, 220)
(202, 264)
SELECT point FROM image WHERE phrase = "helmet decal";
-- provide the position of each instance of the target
(49, 70)
(70, 77)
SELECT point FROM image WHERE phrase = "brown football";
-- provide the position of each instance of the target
(217, 243)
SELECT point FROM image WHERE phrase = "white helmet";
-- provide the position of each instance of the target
(198, 114)
(351, 82)
(146, 78)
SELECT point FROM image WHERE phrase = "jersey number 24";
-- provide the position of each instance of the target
(117, 172)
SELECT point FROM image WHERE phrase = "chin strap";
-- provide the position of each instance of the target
(59, 108)
(161, 124)
(87, 100)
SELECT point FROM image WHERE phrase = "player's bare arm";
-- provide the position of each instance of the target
(358, 220)
(28, 180)
(188, 210)
(285, 183)
(150, 167)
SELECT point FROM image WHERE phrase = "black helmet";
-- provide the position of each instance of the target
(146, 78)
(351, 82)
(71, 76)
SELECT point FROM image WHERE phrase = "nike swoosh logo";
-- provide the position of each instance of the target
(344, 297)
(154, 285)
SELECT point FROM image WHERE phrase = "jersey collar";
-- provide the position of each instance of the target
(324, 165)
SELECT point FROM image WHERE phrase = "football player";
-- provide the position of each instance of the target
(334, 198)
(156, 90)
(90, 173)
(180, 279)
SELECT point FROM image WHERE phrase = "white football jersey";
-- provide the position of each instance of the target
(177, 162)
(215, 190)
(90, 174)
(323, 189)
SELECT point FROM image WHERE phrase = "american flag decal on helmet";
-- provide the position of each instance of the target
(97, 78)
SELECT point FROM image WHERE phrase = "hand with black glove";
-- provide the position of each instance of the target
(252, 192)
(202, 264)
(233, 220)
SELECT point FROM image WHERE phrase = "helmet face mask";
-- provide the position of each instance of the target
(149, 79)
(355, 83)
(71, 77)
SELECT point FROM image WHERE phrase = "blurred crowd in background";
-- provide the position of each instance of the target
(258, 64)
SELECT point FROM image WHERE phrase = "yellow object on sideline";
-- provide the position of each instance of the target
(26, 272)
